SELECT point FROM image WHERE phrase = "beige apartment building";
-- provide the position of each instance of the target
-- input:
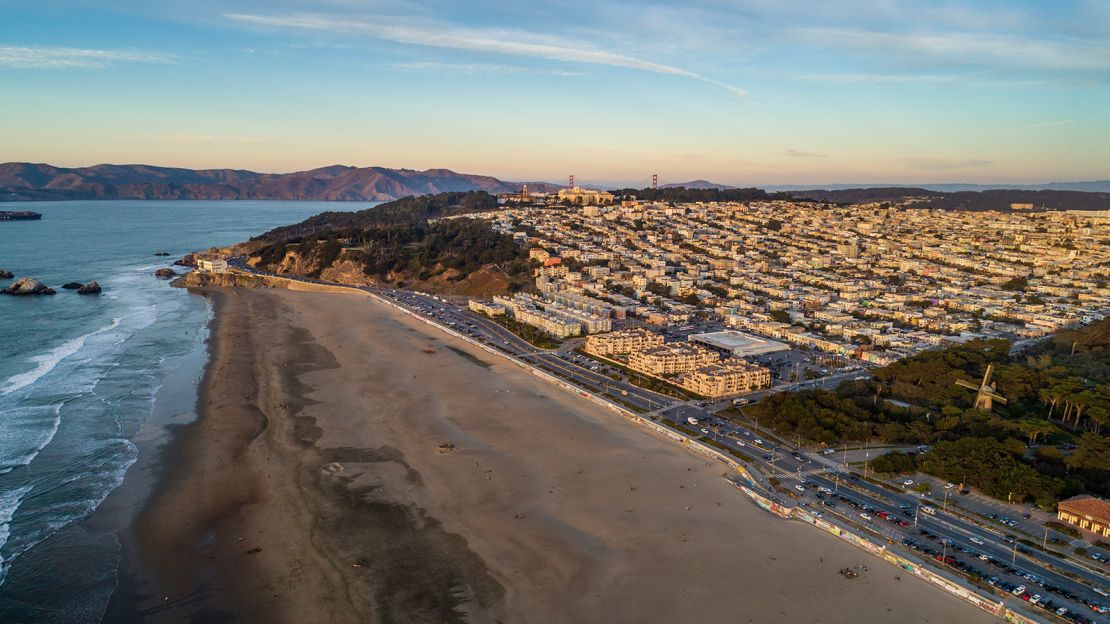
(672, 359)
(730, 377)
(622, 342)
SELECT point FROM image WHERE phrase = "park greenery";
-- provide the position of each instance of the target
(408, 252)
(1049, 440)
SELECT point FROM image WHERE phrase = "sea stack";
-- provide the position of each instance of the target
(71, 285)
(27, 286)
(165, 273)
(92, 288)
(4, 274)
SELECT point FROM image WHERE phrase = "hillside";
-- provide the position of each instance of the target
(395, 244)
(32, 182)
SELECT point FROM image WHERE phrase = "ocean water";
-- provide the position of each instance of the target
(79, 376)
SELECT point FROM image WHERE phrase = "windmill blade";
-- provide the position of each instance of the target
(966, 384)
(998, 398)
(987, 375)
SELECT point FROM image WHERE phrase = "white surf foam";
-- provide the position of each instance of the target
(9, 503)
(46, 362)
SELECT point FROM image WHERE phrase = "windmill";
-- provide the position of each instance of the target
(986, 392)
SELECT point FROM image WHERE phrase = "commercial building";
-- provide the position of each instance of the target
(577, 195)
(671, 359)
(622, 342)
(728, 377)
(212, 266)
(1086, 512)
(737, 344)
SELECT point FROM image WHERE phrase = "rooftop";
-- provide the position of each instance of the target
(739, 343)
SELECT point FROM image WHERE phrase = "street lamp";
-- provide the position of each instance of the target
(944, 507)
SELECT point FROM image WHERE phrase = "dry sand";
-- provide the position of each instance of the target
(312, 489)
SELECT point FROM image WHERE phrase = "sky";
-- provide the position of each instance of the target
(742, 92)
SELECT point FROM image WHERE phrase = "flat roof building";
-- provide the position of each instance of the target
(737, 344)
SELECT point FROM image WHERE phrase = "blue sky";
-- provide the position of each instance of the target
(742, 91)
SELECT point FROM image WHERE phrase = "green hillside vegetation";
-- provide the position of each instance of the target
(1058, 395)
(410, 252)
(411, 210)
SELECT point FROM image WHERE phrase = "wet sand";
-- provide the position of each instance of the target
(312, 489)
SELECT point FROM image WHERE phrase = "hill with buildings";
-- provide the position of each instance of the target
(396, 244)
(31, 182)
(987, 199)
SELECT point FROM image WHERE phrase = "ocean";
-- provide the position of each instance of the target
(80, 376)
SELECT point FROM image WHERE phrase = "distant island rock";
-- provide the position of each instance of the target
(6, 274)
(71, 285)
(162, 253)
(27, 286)
(165, 273)
(92, 288)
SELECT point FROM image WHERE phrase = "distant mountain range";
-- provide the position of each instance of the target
(1093, 186)
(699, 184)
(31, 182)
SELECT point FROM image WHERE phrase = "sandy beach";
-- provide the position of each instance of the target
(312, 488)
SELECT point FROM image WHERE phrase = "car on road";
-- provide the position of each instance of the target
(907, 482)
(799, 488)
(975, 540)
(758, 441)
(865, 517)
(740, 443)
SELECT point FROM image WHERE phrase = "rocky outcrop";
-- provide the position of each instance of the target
(165, 273)
(92, 288)
(188, 260)
(162, 254)
(224, 280)
(27, 286)
(71, 285)
(6, 274)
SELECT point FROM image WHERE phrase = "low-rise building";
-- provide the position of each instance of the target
(622, 342)
(672, 359)
(489, 309)
(1086, 512)
(212, 266)
(728, 377)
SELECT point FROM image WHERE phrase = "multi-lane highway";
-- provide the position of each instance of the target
(914, 524)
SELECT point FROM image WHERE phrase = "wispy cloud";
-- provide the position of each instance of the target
(793, 153)
(944, 164)
(459, 68)
(969, 48)
(1059, 122)
(497, 42)
(40, 57)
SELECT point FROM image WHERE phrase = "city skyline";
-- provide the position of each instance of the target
(748, 93)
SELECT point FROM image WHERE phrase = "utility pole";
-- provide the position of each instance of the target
(944, 507)
(916, 513)
(866, 458)
(1013, 560)
(773, 449)
(836, 484)
(1044, 545)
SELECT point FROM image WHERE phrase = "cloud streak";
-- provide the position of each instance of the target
(1048, 124)
(38, 57)
(474, 40)
(969, 48)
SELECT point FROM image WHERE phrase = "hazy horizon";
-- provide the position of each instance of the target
(748, 93)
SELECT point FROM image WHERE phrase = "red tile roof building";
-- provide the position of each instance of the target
(1086, 512)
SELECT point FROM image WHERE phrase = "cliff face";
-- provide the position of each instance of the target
(28, 182)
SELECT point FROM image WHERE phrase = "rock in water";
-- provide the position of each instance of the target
(188, 260)
(6, 274)
(92, 288)
(71, 285)
(162, 253)
(165, 273)
(27, 286)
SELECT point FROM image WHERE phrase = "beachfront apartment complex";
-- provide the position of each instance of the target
(622, 342)
(671, 359)
(726, 378)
